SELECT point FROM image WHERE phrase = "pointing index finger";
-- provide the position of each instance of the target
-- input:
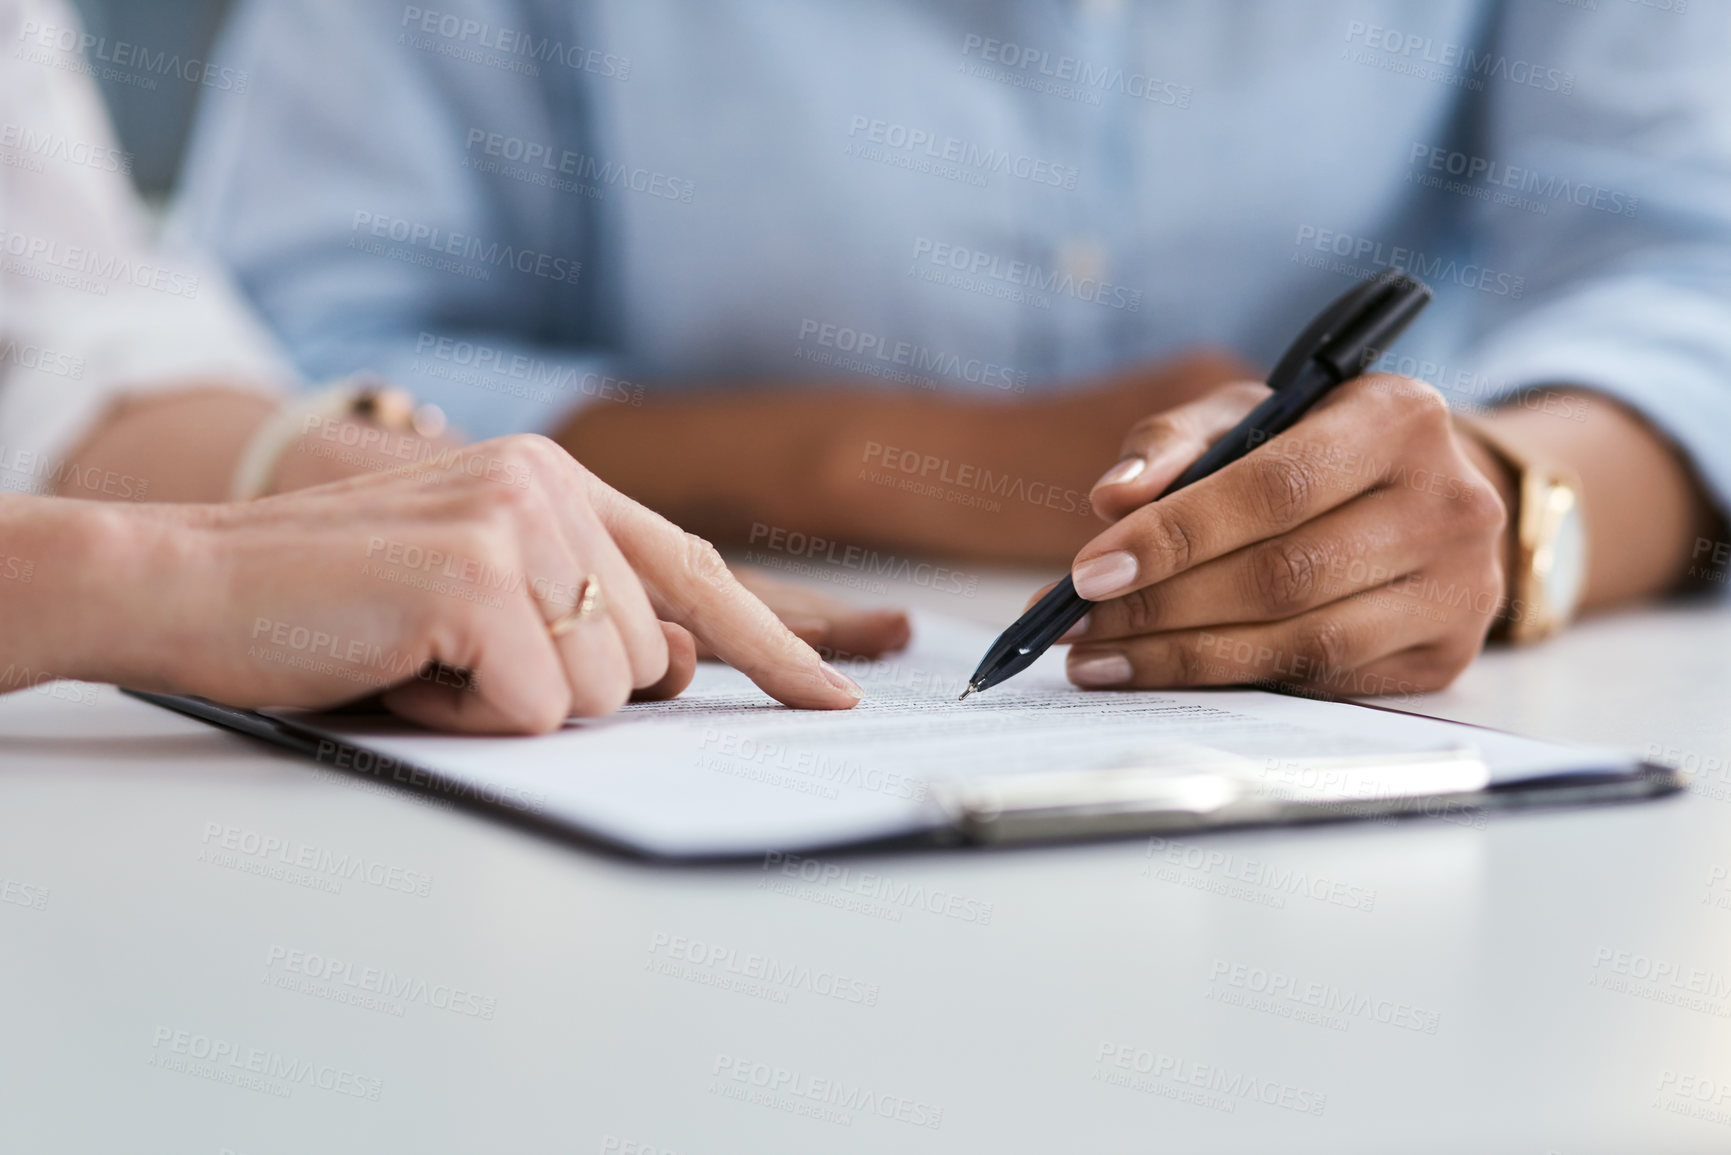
(690, 584)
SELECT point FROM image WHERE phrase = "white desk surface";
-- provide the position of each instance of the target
(1541, 982)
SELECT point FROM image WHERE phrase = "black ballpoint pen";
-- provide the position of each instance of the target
(1334, 349)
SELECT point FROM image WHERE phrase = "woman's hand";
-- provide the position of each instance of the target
(1358, 553)
(439, 586)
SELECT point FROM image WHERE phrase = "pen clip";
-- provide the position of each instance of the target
(1350, 311)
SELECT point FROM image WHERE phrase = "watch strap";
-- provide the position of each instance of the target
(1527, 615)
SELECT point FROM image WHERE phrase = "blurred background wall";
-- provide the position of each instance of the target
(152, 122)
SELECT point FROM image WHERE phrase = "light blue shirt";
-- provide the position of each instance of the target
(514, 207)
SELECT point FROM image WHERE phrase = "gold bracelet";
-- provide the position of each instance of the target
(362, 398)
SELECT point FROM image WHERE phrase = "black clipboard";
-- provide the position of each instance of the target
(1058, 807)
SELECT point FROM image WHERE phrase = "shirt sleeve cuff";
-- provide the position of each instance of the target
(68, 365)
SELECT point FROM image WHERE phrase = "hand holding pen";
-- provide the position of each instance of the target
(1337, 531)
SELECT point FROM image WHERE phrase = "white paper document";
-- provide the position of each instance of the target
(725, 770)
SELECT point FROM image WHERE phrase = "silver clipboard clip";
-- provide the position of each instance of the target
(1200, 787)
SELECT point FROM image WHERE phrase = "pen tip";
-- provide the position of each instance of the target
(967, 691)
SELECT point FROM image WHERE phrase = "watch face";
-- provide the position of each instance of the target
(1566, 574)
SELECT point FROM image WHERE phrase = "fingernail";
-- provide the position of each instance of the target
(1102, 577)
(841, 681)
(1077, 630)
(903, 629)
(1128, 469)
(1099, 670)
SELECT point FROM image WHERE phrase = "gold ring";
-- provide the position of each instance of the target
(589, 604)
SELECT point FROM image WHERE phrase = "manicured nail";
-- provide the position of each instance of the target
(1105, 576)
(1077, 630)
(841, 681)
(1128, 469)
(1099, 670)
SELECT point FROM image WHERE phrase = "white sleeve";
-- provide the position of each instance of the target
(91, 307)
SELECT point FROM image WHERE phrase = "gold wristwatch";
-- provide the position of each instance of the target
(1549, 568)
